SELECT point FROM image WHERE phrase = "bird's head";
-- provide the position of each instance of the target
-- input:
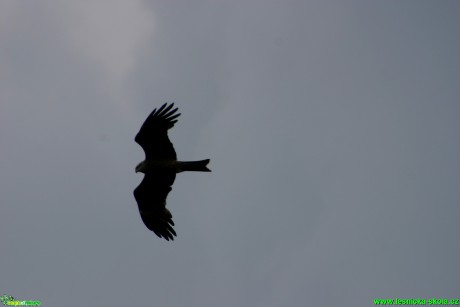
(140, 167)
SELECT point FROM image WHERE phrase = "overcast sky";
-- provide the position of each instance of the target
(333, 132)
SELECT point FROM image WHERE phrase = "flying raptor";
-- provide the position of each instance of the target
(160, 167)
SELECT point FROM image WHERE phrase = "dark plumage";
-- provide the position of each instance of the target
(160, 167)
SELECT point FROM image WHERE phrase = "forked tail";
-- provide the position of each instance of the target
(195, 166)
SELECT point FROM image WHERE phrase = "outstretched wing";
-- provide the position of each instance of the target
(151, 199)
(153, 136)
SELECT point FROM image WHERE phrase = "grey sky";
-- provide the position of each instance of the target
(332, 129)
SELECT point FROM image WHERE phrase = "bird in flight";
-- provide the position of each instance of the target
(160, 167)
